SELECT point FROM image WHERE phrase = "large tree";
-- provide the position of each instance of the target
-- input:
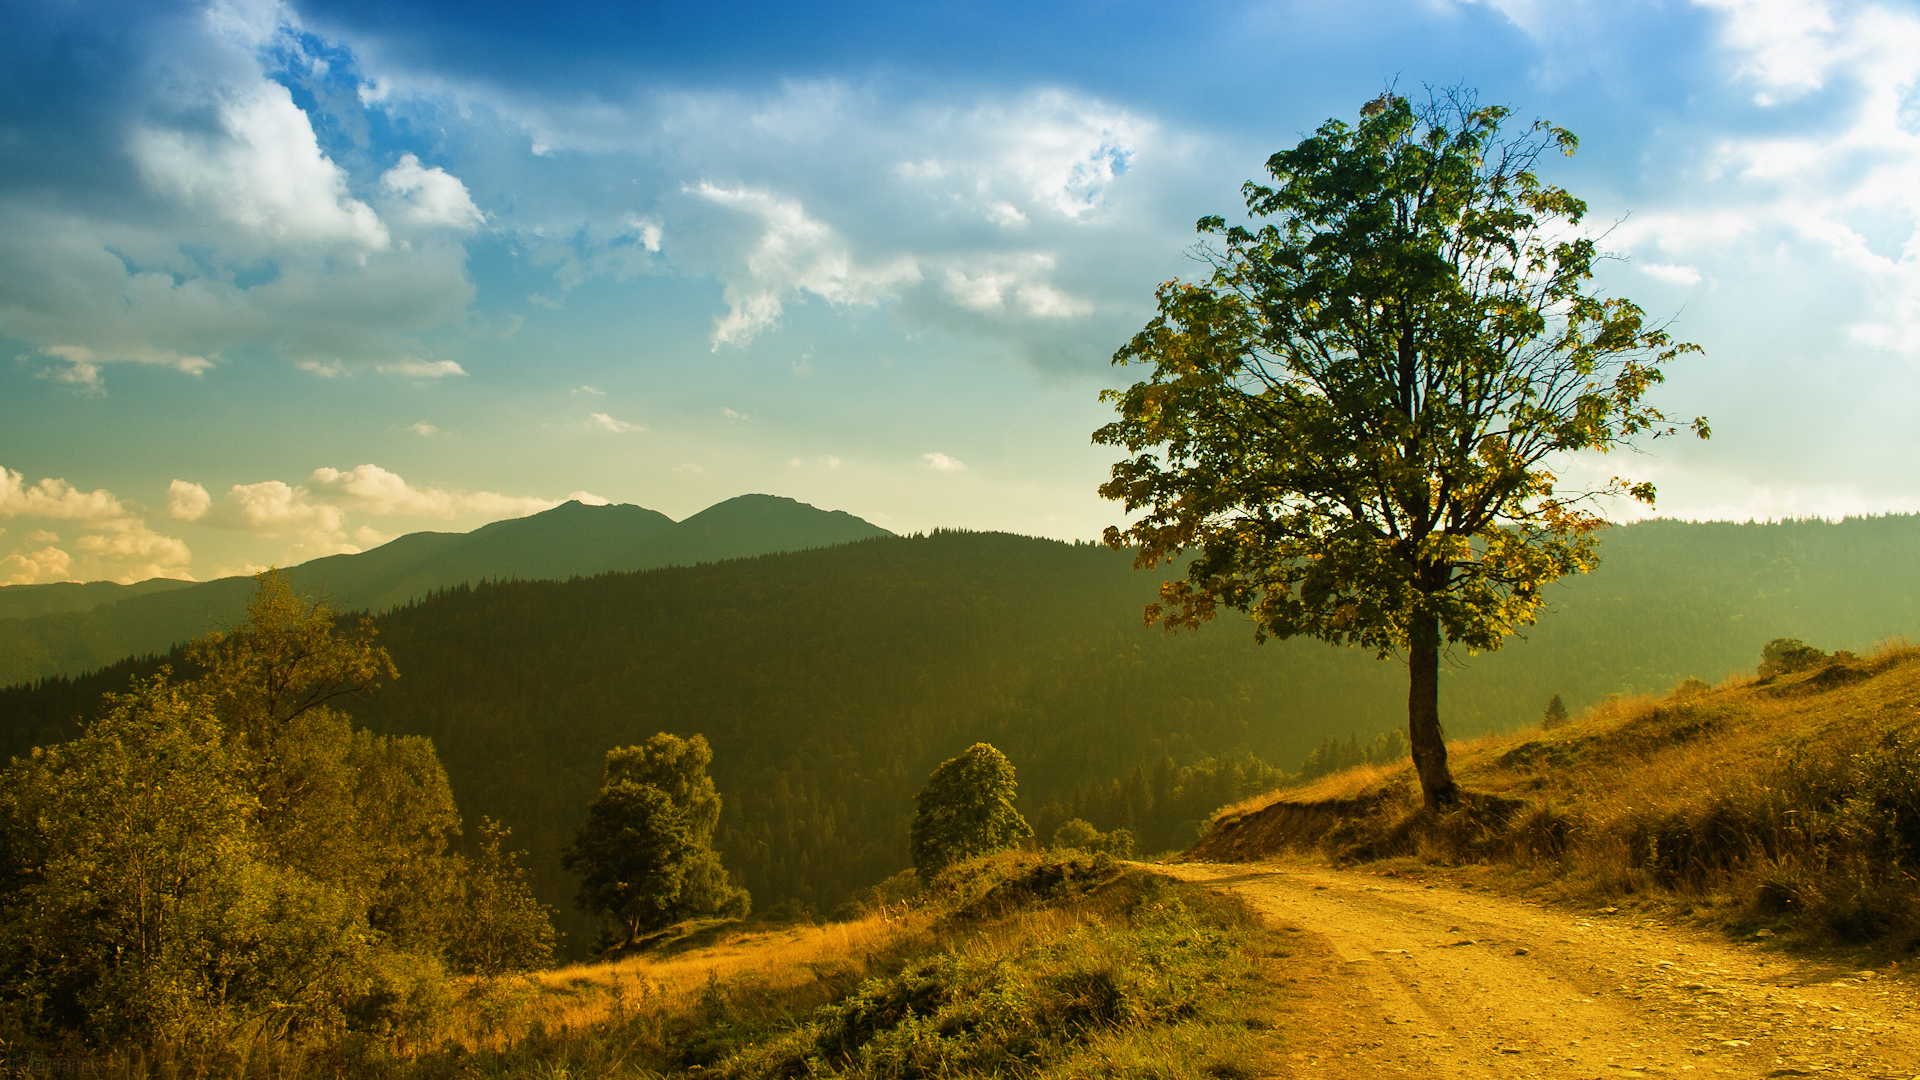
(966, 809)
(1354, 423)
(645, 856)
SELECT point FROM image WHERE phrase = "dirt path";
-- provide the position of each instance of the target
(1397, 977)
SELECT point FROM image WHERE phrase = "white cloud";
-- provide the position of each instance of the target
(587, 498)
(378, 491)
(432, 196)
(415, 368)
(607, 423)
(424, 429)
(57, 499)
(114, 542)
(731, 415)
(794, 254)
(588, 390)
(1672, 275)
(942, 462)
(263, 171)
(34, 567)
(187, 501)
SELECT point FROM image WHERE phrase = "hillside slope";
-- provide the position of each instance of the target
(1785, 805)
(571, 540)
(832, 681)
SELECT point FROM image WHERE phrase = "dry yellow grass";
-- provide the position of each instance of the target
(1780, 801)
(494, 1016)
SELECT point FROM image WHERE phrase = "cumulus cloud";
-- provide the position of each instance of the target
(607, 423)
(187, 501)
(424, 429)
(114, 541)
(379, 491)
(57, 499)
(943, 463)
(432, 197)
(34, 567)
(328, 514)
(212, 217)
(261, 170)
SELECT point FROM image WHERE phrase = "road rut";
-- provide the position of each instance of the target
(1401, 977)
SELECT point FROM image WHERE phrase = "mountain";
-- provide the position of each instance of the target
(831, 682)
(68, 629)
(26, 601)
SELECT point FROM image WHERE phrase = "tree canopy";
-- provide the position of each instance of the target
(966, 809)
(645, 856)
(1356, 420)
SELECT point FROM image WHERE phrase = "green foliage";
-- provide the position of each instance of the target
(965, 810)
(1079, 835)
(501, 927)
(1556, 713)
(1353, 420)
(138, 906)
(1784, 656)
(645, 855)
(225, 861)
(1164, 806)
(827, 682)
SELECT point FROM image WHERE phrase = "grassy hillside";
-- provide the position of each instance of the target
(1786, 805)
(831, 682)
(68, 629)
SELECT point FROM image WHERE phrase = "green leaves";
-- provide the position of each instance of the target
(965, 810)
(1352, 420)
(645, 855)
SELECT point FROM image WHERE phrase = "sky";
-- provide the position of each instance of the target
(283, 280)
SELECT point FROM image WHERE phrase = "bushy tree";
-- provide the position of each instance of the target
(1079, 834)
(139, 907)
(1356, 419)
(645, 856)
(966, 809)
(226, 857)
(1783, 656)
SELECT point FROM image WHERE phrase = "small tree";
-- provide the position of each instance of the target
(1785, 655)
(645, 855)
(503, 928)
(1356, 418)
(1556, 713)
(966, 809)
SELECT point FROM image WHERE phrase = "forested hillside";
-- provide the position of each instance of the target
(67, 628)
(831, 682)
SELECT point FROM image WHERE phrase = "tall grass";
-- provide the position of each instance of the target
(1791, 803)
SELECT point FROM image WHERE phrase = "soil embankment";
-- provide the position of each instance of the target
(1404, 977)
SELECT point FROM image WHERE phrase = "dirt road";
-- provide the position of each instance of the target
(1399, 977)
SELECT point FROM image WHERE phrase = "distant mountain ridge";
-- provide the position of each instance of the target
(67, 629)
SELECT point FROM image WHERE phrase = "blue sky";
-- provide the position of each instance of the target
(283, 280)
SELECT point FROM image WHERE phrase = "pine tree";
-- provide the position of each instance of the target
(1556, 713)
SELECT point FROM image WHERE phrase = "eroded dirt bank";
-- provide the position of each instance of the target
(1397, 977)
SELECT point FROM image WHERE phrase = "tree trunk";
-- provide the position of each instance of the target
(1423, 717)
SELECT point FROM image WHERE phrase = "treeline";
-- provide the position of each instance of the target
(831, 682)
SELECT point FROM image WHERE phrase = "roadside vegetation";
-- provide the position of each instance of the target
(1785, 803)
(1017, 964)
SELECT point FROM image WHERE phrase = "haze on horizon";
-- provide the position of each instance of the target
(280, 280)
